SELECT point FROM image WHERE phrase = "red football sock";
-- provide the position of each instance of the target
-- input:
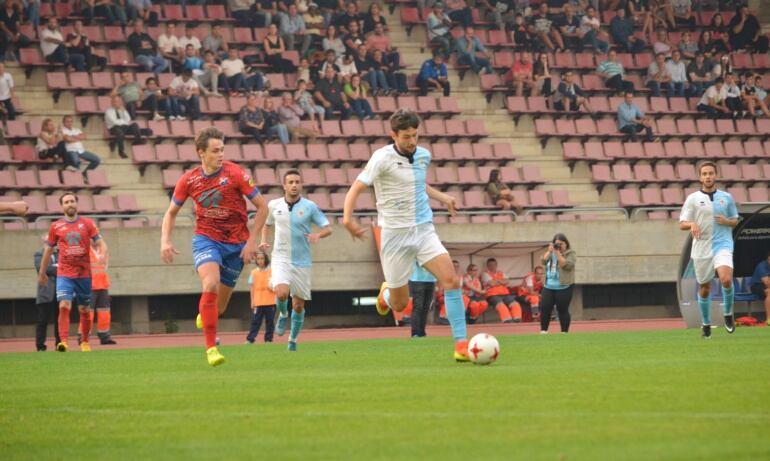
(86, 320)
(209, 317)
(64, 324)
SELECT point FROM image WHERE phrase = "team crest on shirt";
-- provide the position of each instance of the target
(301, 213)
(223, 181)
(81, 226)
(422, 163)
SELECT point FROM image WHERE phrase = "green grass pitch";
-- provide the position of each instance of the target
(587, 396)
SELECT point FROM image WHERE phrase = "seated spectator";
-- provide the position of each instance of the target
(699, 75)
(7, 93)
(208, 75)
(659, 77)
(433, 74)
(329, 93)
(141, 9)
(370, 73)
(541, 71)
(55, 50)
(244, 12)
(631, 119)
(50, 144)
(234, 70)
(186, 89)
(192, 61)
(590, 32)
(678, 72)
(734, 98)
(251, 120)
(746, 33)
(293, 28)
(10, 27)
(303, 70)
(500, 194)
(145, 50)
(73, 139)
(760, 284)
(111, 12)
(330, 61)
(498, 293)
(569, 96)
(379, 40)
(274, 47)
(679, 12)
(717, 31)
(155, 99)
(333, 42)
(640, 12)
(289, 114)
(396, 79)
(761, 93)
(459, 12)
(273, 127)
(713, 101)
(78, 43)
(612, 72)
(473, 294)
(569, 27)
(528, 294)
(546, 34)
(305, 101)
(190, 39)
(129, 91)
(347, 69)
(751, 99)
(351, 13)
(314, 24)
(354, 38)
(439, 26)
(662, 44)
(373, 17)
(521, 32)
(327, 9)
(622, 32)
(169, 47)
(119, 124)
(687, 47)
(723, 65)
(216, 42)
(707, 44)
(471, 52)
(498, 12)
(520, 75)
(356, 94)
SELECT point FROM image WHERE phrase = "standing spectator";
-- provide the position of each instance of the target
(305, 101)
(699, 75)
(55, 50)
(469, 48)
(622, 32)
(687, 47)
(474, 293)
(559, 262)
(640, 12)
(274, 48)
(373, 17)
(129, 91)
(100, 299)
(78, 43)
(289, 114)
(590, 31)
(119, 124)
(439, 25)
(369, 72)
(273, 127)
(547, 35)
(760, 284)
(713, 101)
(433, 74)
(528, 294)
(169, 46)
(190, 39)
(746, 33)
(541, 71)
(662, 44)
(521, 74)
(356, 94)
(216, 42)
(10, 25)
(569, 96)
(734, 98)
(658, 76)
(7, 93)
(678, 72)
(293, 28)
(251, 120)
(262, 299)
(50, 144)
(396, 79)
(631, 120)
(187, 90)
(422, 287)
(329, 93)
(136, 9)
(498, 294)
(45, 302)
(145, 50)
(333, 42)
(73, 138)
(718, 32)
(459, 12)
(155, 99)
(500, 193)
(612, 72)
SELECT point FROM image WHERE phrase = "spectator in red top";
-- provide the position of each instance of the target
(498, 293)
(529, 293)
(473, 294)
(520, 74)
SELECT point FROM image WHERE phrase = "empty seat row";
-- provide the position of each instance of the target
(594, 151)
(604, 127)
(603, 104)
(674, 196)
(52, 179)
(666, 173)
(98, 203)
(164, 12)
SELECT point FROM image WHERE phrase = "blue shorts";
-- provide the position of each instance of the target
(68, 288)
(227, 255)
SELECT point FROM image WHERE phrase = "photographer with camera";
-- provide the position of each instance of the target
(559, 262)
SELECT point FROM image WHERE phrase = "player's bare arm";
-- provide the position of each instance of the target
(42, 277)
(692, 227)
(316, 236)
(167, 250)
(264, 242)
(19, 208)
(356, 231)
(101, 250)
(249, 251)
(446, 199)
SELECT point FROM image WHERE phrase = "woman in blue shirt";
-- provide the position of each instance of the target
(559, 263)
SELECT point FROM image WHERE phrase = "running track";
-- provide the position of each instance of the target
(346, 334)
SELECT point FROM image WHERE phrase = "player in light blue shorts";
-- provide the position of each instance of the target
(293, 217)
(710, 215)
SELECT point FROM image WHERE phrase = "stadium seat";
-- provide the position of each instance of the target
(759, 194)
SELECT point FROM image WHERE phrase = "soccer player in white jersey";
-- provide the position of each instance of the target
(397, 172)
(293, 217)
(710, 215)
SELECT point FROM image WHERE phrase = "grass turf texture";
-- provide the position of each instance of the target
(593, 396)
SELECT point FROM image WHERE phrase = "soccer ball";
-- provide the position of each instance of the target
(483, 349)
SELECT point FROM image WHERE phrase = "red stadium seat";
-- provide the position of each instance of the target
(759, 194)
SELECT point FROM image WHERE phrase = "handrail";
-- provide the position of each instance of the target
(636, 211)
(575, 210)
(144, 217)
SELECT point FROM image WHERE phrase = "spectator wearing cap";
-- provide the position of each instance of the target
(73, 138)
(314, 23)
(612, 72)
(622, 32)
(439, 25)
(471, 52)
(631, 119)
(433, 74)
(55, 49)
(145, 50)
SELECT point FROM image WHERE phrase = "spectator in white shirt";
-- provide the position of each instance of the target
(234, 71)
(73, 139)
(187, 90)
(119, 124)
(169, 47)
(190, 39)
(734, 99)
(714, 100)
(658, 76)
(55, 49)
(50, 145)
(6, 93)
(678, 71)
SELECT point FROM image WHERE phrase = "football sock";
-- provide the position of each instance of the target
(455, 312)
(705, 309)
(103, 319)
(209, 317)
(283, 306)
(86, 321)
(386, 297)
(64, 323)
(297, 320)
(727, 299)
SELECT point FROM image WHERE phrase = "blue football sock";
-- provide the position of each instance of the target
(705, 309)
(297, 320)
(455, 313)
(283, 306)
(386, 297)
(727, 299)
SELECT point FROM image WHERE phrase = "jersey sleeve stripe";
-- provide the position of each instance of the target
(253, 193)
(176, 201)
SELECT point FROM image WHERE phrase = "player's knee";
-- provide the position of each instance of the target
(210, 285)
(451, 282)
(282, 293)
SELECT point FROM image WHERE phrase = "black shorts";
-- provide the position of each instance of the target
(573, 106)
(101, 299)
(758, 290)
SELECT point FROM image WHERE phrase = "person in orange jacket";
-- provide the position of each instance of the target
(498, 293)
(262, 299)
(528, 294)
(100, 300)
(473, 294)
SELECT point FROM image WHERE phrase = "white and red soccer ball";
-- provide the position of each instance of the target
(483, 349)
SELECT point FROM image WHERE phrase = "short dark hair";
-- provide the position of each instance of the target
(149, 79)
(489, 260)
(61, 197)
(265, 254)
(626, 93)
(203, 136)
(705, 164)
(403, 119)
(191, 25)
(187, 73)
(291, 172)
(719, 80)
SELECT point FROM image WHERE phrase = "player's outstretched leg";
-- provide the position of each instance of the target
(455, 312)
(297, 321)
(383, 300)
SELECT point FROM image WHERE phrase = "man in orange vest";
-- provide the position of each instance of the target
(100, 284)
(529, 293)
(498, 293)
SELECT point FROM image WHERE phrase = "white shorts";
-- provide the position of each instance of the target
(401, 247)
(705, 267)
(298, 278)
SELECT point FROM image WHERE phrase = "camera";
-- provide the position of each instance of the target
(557, 246)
